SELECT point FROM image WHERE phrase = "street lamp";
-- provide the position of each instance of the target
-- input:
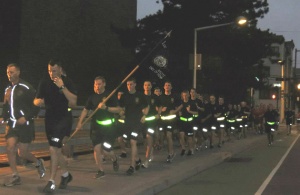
(240, 21)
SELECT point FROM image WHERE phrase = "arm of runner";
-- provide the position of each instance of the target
(80, 119)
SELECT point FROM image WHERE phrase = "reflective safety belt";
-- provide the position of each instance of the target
(169, 117)
(195, 115)
(151, 131)
(186, 119)
(107, 145)
(239, 119)
(244, 116)
(271, 123)
(69, 109)
(150, 118)
(121, 120)
(231, 120)
(213, 128)
(105, 122)
(221, 118)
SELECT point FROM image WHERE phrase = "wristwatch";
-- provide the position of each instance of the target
(62, 87)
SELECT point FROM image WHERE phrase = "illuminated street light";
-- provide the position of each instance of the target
(239, 21)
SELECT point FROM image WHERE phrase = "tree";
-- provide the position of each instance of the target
(228, 52)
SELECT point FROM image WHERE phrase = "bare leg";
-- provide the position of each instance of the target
(25, 154)
(67, 149)
(98, 156)
(149, 146)
(190, 143)
(211, 138)
(57, 159)
(161, 138)
(182, 140)
(11, 153)
(134, 152)
(170, 142)
(122, 144)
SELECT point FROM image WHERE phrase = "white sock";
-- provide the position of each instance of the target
(66, 174)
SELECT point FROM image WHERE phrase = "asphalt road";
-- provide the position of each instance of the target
(258, 170)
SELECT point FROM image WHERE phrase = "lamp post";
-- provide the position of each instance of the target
(282, 92)
(295, 78)
(240, 21)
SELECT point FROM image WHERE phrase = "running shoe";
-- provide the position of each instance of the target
(130, 171)
(171, 157)
(99, 174)
(182, 152)
(146, 164)
(64, 181)
(190, 152)
(138, 164)
(116, 165)
(123, 155)
(49, 188)
(14, 180)
(41, 168)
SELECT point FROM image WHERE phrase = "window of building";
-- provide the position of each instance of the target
(275, 50)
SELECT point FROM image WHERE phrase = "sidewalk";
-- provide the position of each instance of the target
(159, 176)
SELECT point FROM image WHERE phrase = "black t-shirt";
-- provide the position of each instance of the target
(222, 109)
(95, 99)
(184, 112)
(153, 102)
(56, 103)
(195, 104)
(133, 104)
(289, 115)
(244, 110)
(232, 114)
(200, 104)
(170, 102)
(271, 116)
(211, 109)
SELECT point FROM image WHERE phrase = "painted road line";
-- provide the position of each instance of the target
(268, 179)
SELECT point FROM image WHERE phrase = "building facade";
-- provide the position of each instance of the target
(279, 80)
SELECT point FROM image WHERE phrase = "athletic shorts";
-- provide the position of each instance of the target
(168, 125)
(101, 134)
(24, 133)
(288, 121)
(149, 128)
(186, 127)
(132, 130)
(119, 129)
(57, 129)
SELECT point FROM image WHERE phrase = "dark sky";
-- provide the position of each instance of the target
(282, 18)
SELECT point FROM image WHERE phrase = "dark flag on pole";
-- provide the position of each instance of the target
(158, 64)
(158, 59)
